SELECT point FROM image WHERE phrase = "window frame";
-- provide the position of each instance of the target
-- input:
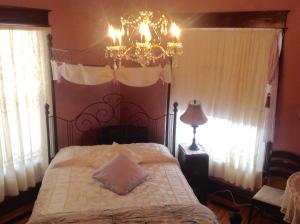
(12, 15)
(246, 19)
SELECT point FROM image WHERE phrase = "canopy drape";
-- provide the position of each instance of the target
(95, 75)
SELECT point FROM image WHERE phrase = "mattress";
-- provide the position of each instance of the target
(69, 194)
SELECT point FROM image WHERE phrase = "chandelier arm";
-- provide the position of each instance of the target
(159, 22)
(127, 50)
(131, 34)
(159, 39)
(162, 49)
(133, 56)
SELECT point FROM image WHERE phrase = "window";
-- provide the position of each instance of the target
(227, 70)
(24, 89)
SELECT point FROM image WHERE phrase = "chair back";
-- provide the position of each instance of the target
(281, 164)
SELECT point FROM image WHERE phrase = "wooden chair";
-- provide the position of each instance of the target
(279, 165)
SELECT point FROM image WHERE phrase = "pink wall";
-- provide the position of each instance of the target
(77, 24)
(153, 99)
(72, 98)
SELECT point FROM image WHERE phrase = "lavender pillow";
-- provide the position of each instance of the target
(120, 175)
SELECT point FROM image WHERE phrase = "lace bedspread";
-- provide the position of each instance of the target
(290, 204)
(70, 195)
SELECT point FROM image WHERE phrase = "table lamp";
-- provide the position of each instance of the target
(194, 116)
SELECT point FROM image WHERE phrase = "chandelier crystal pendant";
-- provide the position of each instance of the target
(144, 39)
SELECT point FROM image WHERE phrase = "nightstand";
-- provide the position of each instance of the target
(194, 165)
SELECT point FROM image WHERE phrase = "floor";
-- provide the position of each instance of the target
(224, 214)
(22, 214)
(18, 216)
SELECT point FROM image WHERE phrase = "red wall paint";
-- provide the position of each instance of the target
(72, 98)
(79, 24)
(152, 99)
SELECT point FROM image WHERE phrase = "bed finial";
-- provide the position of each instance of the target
(47, 108)
(175, 105)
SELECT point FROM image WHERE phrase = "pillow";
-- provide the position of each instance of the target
(120, 175)
(96, 160)
(122, 149)
(153, 153)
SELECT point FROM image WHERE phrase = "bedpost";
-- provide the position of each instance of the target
(48, 130)
(53, 95)
(168, 115)
(168, 107)
(175, 110)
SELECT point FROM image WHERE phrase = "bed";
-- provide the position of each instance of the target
(69, 194)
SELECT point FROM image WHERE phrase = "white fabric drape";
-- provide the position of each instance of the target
(226, 69)
(24, 89)
(272, 89)
(95, 75)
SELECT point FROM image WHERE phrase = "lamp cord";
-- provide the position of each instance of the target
(232, 198)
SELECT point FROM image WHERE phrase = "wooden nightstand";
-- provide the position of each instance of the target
(194, 165)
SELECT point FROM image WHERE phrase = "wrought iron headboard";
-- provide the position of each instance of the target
(112, 110)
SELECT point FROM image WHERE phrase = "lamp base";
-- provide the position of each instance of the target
(193, 147)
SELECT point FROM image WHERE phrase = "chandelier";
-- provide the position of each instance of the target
(144, 39)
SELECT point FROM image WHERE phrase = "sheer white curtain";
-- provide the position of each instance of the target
(24, 89)
(226, 69)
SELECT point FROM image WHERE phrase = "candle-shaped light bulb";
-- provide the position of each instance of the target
(122, 31)
(145, 32)
(148, 36)
(119, 34)
(112, 33)
(175, 31)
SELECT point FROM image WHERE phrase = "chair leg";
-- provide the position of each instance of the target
(251, 212)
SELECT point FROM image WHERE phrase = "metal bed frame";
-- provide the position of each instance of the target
(111, 110)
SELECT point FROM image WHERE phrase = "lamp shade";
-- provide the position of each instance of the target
(194, 114)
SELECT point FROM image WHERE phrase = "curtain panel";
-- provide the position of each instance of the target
(24, 89)
(227, 70)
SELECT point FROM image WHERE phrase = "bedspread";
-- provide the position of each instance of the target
(70, 195)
